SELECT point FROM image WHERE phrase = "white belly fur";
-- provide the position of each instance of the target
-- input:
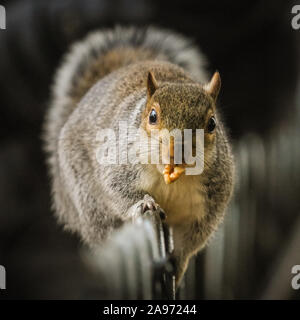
(182, 200)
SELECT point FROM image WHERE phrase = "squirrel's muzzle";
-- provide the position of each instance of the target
(172, 171)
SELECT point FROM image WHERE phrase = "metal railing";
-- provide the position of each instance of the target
(135, 263)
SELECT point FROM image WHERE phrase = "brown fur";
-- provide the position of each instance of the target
(107, 75)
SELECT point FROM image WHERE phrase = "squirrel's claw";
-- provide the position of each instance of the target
(150, 204)
(147, 204)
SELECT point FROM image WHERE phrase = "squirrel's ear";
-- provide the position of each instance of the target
(151, 85)
(213, 87)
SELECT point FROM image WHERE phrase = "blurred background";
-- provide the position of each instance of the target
(255, 49)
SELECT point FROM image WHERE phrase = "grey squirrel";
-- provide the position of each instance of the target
(125, 74)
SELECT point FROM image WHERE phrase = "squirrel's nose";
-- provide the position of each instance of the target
(169, 156)
(168, 152)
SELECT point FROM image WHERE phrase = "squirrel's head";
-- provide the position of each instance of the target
(183, 105)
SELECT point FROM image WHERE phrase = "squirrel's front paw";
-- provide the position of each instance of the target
(147, 204)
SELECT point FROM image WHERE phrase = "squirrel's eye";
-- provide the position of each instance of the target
(153, 116)
(211, 124)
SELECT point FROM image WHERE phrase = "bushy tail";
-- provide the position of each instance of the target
(105, 51)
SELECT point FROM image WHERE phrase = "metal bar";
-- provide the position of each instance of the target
(134, 263)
